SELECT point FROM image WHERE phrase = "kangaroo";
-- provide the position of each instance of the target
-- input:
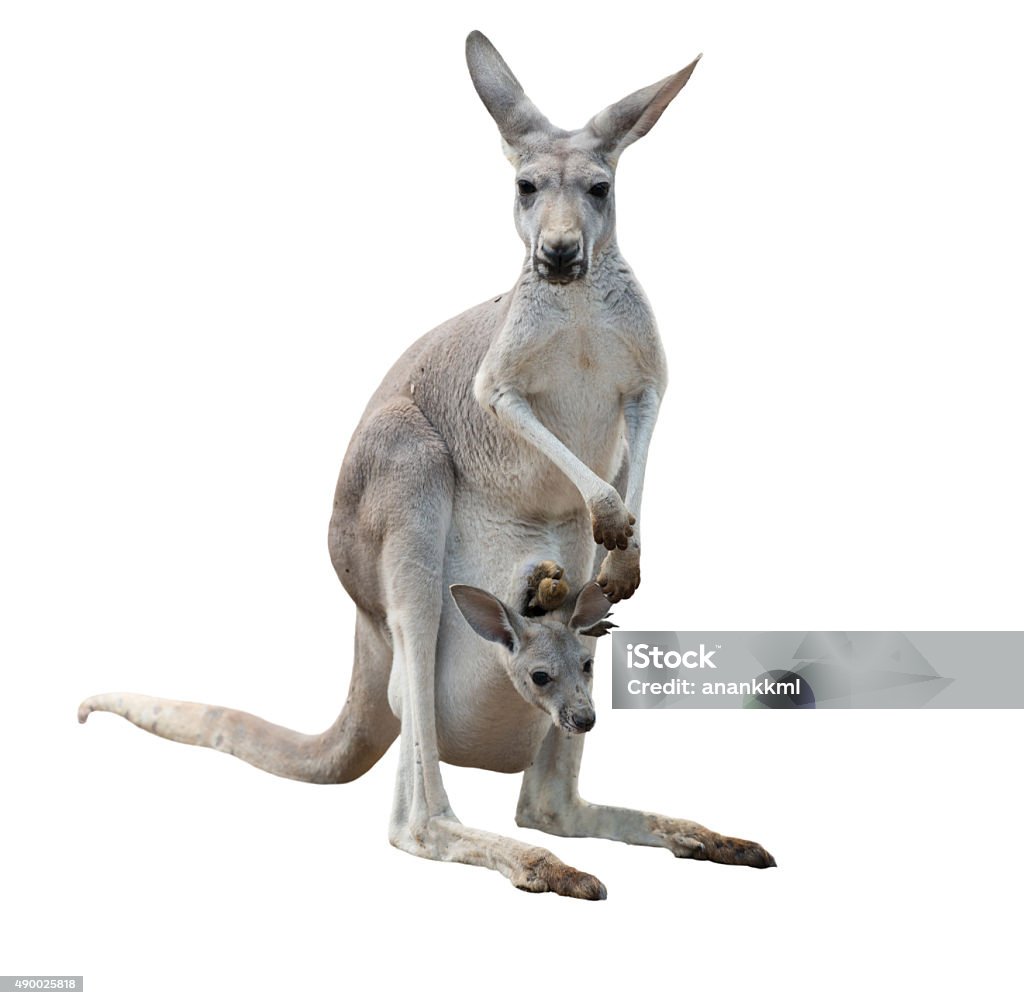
(519, 428)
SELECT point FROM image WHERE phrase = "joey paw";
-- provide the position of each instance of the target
(547, 587)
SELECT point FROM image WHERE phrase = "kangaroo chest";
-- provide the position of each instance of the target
(575, 387)
(575, 368)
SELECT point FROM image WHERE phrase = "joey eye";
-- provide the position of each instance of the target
(540, 678)
(600, 190)
(588, 667)
(526, 187)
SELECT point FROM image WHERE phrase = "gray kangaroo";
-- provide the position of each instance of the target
(519, 428)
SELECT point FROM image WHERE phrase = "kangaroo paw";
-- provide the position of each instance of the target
(612, 523)
(620, 574)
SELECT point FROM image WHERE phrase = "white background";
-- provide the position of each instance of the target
(222, 222)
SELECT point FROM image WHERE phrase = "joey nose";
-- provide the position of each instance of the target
(583, 721)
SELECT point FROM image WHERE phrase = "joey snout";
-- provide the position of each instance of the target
(573, 710)
(578, 721)
(565, 698)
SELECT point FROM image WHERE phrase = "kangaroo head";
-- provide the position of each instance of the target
(546, 660)
(565, 179)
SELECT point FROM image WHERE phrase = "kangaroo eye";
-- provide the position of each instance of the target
(588, 667)
(526, 187)
(600, 190)
(540, 678)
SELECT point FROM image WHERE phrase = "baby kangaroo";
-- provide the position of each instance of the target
(519, 428)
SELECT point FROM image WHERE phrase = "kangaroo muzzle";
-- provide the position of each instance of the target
(560, 260)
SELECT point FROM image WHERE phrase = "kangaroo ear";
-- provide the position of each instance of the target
(591, 606)
(487, 615)
(632, 117)
(503, 95)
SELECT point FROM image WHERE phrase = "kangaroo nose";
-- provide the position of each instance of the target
(561, 254)
(584, 721)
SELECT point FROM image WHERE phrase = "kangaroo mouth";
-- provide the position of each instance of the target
(559, 276)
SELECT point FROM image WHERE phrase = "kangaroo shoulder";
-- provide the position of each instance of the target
(445, 357)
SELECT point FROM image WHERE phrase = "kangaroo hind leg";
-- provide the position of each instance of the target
(416, 511)
(550, 801)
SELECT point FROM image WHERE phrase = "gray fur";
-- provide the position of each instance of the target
(498, 437)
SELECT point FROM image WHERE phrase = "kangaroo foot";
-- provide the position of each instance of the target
(527, 867)
(544, 873)
(689, 840)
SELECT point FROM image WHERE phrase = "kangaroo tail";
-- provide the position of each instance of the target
(349, 748)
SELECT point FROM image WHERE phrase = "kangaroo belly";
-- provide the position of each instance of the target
(484, 723)
(492, 543)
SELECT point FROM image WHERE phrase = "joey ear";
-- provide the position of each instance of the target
(591, 606)
(502, 95)
(486, 615)
(632, 117)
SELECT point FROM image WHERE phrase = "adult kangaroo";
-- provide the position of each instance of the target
(500, 440)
